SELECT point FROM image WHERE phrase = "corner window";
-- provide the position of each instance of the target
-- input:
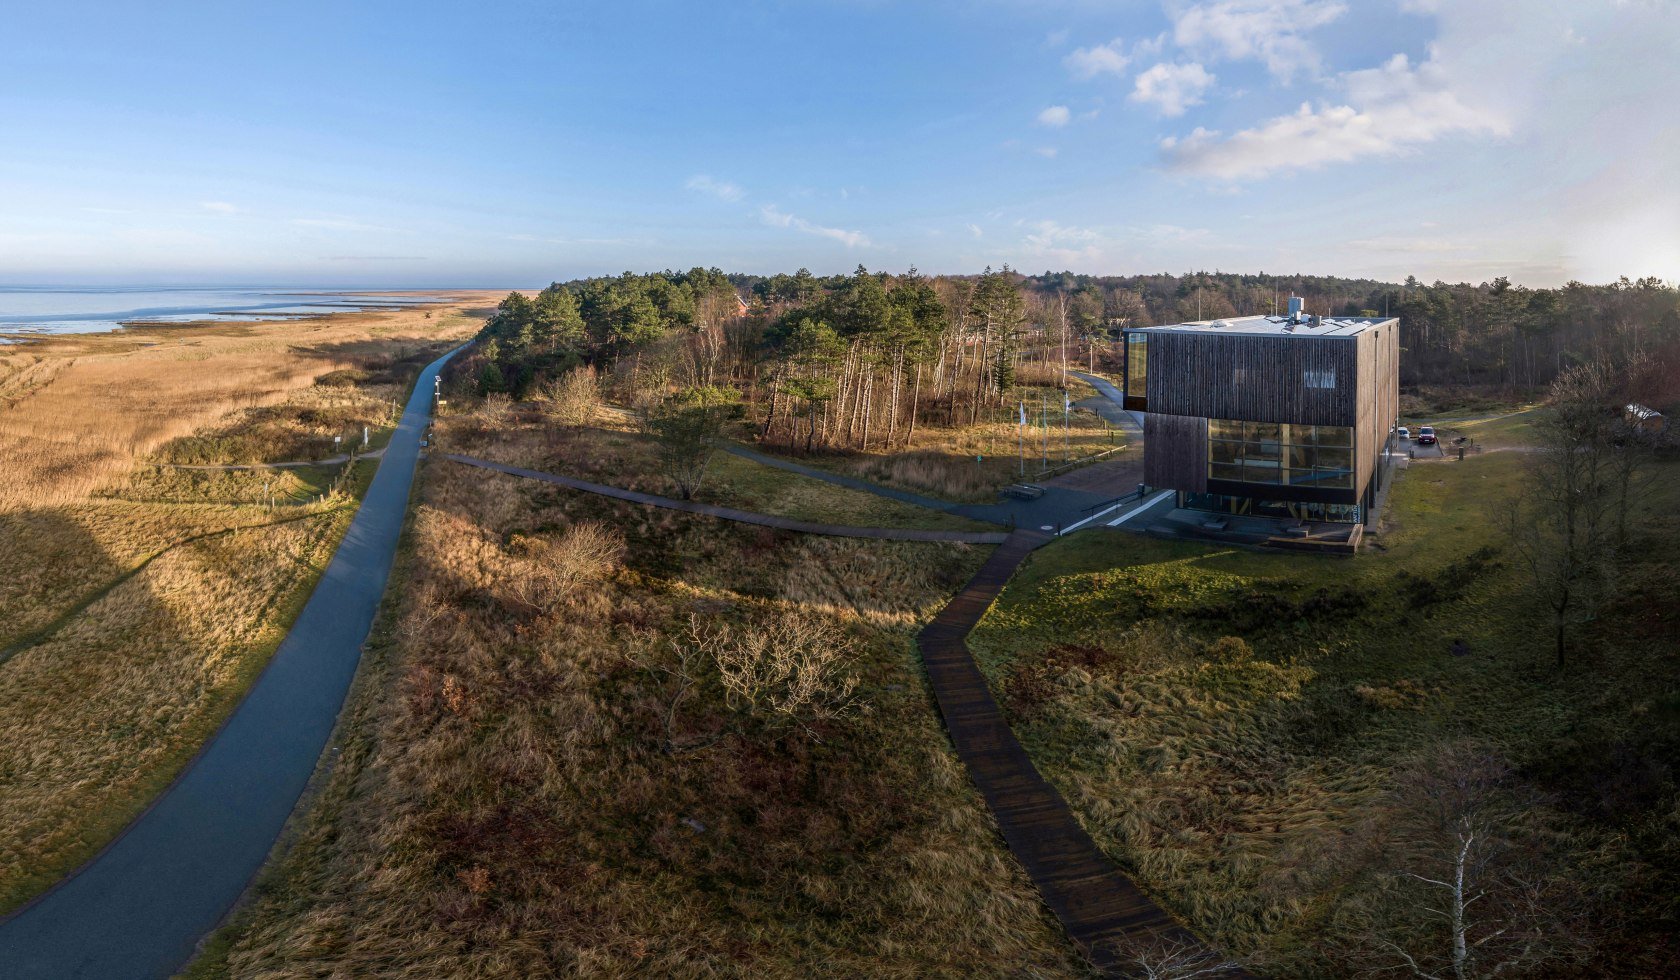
(1137, 371)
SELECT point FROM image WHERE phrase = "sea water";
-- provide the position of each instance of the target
(94, 309)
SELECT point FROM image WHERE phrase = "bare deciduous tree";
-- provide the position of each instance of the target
(1472, 892)
(1560, 526)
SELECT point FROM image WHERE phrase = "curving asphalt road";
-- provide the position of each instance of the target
(139, 908)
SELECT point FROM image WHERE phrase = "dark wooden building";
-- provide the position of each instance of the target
(1274, 416)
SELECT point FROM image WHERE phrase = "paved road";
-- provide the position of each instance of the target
(1131, 422)
(140, 907)
(730, 513)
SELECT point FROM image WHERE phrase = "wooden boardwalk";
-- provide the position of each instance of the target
(731, 514)
(1103, 912)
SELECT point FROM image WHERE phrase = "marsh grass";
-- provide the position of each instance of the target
(101, 714)
(1227, 723)
(503, 806)
(139, 602)
(76, 412)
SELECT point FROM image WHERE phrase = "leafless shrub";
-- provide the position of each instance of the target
(553, 568)
(496, 410)
(573, 397)
(676, 681)
(790, 666)
(1172, 958)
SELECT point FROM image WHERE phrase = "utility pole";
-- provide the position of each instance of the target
(1020, 437)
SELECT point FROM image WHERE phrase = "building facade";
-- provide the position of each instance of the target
(1271, 416)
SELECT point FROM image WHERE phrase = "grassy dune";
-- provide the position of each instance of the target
(610, 450)
(504, 806)
(1247, 781)
(139, 600)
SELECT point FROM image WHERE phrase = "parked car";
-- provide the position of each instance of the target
(1404, 433)
(1426, 436)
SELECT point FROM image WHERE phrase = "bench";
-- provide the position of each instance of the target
(1023, 491)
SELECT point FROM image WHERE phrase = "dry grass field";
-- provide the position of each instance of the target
(139, 600)
(532, 783)
(609, 449)
(1234, 727)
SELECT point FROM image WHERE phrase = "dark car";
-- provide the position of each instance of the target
(1426, 436)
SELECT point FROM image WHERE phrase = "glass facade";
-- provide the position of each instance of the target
(1281, 454)
(1277, 509)
(1137, 371)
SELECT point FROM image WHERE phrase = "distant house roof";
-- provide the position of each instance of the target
(1277, 326)
(1643, 412)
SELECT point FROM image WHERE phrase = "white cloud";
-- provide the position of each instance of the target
(975, 231)
(1389, 109)
(1047, 152)
(1172, 88)
(1102, 59)
(1055, 117)
(1056, 39)
(723, 190)
(1063, 243)
(218, 207)
(777, 218)
(1265, 30)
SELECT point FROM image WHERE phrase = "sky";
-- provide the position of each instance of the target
(501, 143)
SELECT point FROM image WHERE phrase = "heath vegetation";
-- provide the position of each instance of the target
(142, 597)
(597, 738)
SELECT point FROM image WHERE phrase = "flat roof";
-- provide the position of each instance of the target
(1277, 326)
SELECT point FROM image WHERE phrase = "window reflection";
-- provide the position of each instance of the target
(1281, 454)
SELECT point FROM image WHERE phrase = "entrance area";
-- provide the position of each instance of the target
(1217, 503)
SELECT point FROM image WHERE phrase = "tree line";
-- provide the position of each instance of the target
(859, 361)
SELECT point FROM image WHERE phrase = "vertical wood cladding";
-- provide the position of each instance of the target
(1379, 397)
(1175, 452)
(1251, 378)
(1205, 375)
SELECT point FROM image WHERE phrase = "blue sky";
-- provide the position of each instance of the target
(504, 144)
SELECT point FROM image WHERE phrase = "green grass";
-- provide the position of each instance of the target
(732, 481)
(1236, 782)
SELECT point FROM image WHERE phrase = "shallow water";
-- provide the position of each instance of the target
(95, 309)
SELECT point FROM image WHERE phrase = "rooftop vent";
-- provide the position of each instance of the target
(1295, 306)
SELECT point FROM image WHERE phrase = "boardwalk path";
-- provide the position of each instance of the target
(731, 514)
(1102, 911)
(1098, 906)
(140, 907)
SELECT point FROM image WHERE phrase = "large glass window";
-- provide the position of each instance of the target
(1137, 370)
(1281, 454)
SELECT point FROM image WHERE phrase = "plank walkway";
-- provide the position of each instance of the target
(731, 514)
(1101, 909)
